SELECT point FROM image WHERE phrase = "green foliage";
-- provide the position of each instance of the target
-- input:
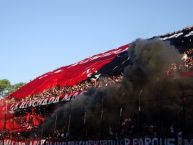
(6, 87)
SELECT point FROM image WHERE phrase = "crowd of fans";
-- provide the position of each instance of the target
(127, 128)
(188, 59)
(80, 87)
(185, 65)
(71, 90)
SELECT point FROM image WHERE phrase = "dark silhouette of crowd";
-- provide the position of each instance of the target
(128, 128)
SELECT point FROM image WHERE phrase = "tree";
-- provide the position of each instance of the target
(6, 87)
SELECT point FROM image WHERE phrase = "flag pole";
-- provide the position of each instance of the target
(69, 119)
(101, 117)
(55, 124)
(84, 122)
(139, 110)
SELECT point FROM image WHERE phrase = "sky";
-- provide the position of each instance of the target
(37, 36)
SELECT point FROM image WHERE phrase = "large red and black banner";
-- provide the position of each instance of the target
(23, 115)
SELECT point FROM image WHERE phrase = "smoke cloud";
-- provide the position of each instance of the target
(145, 91)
